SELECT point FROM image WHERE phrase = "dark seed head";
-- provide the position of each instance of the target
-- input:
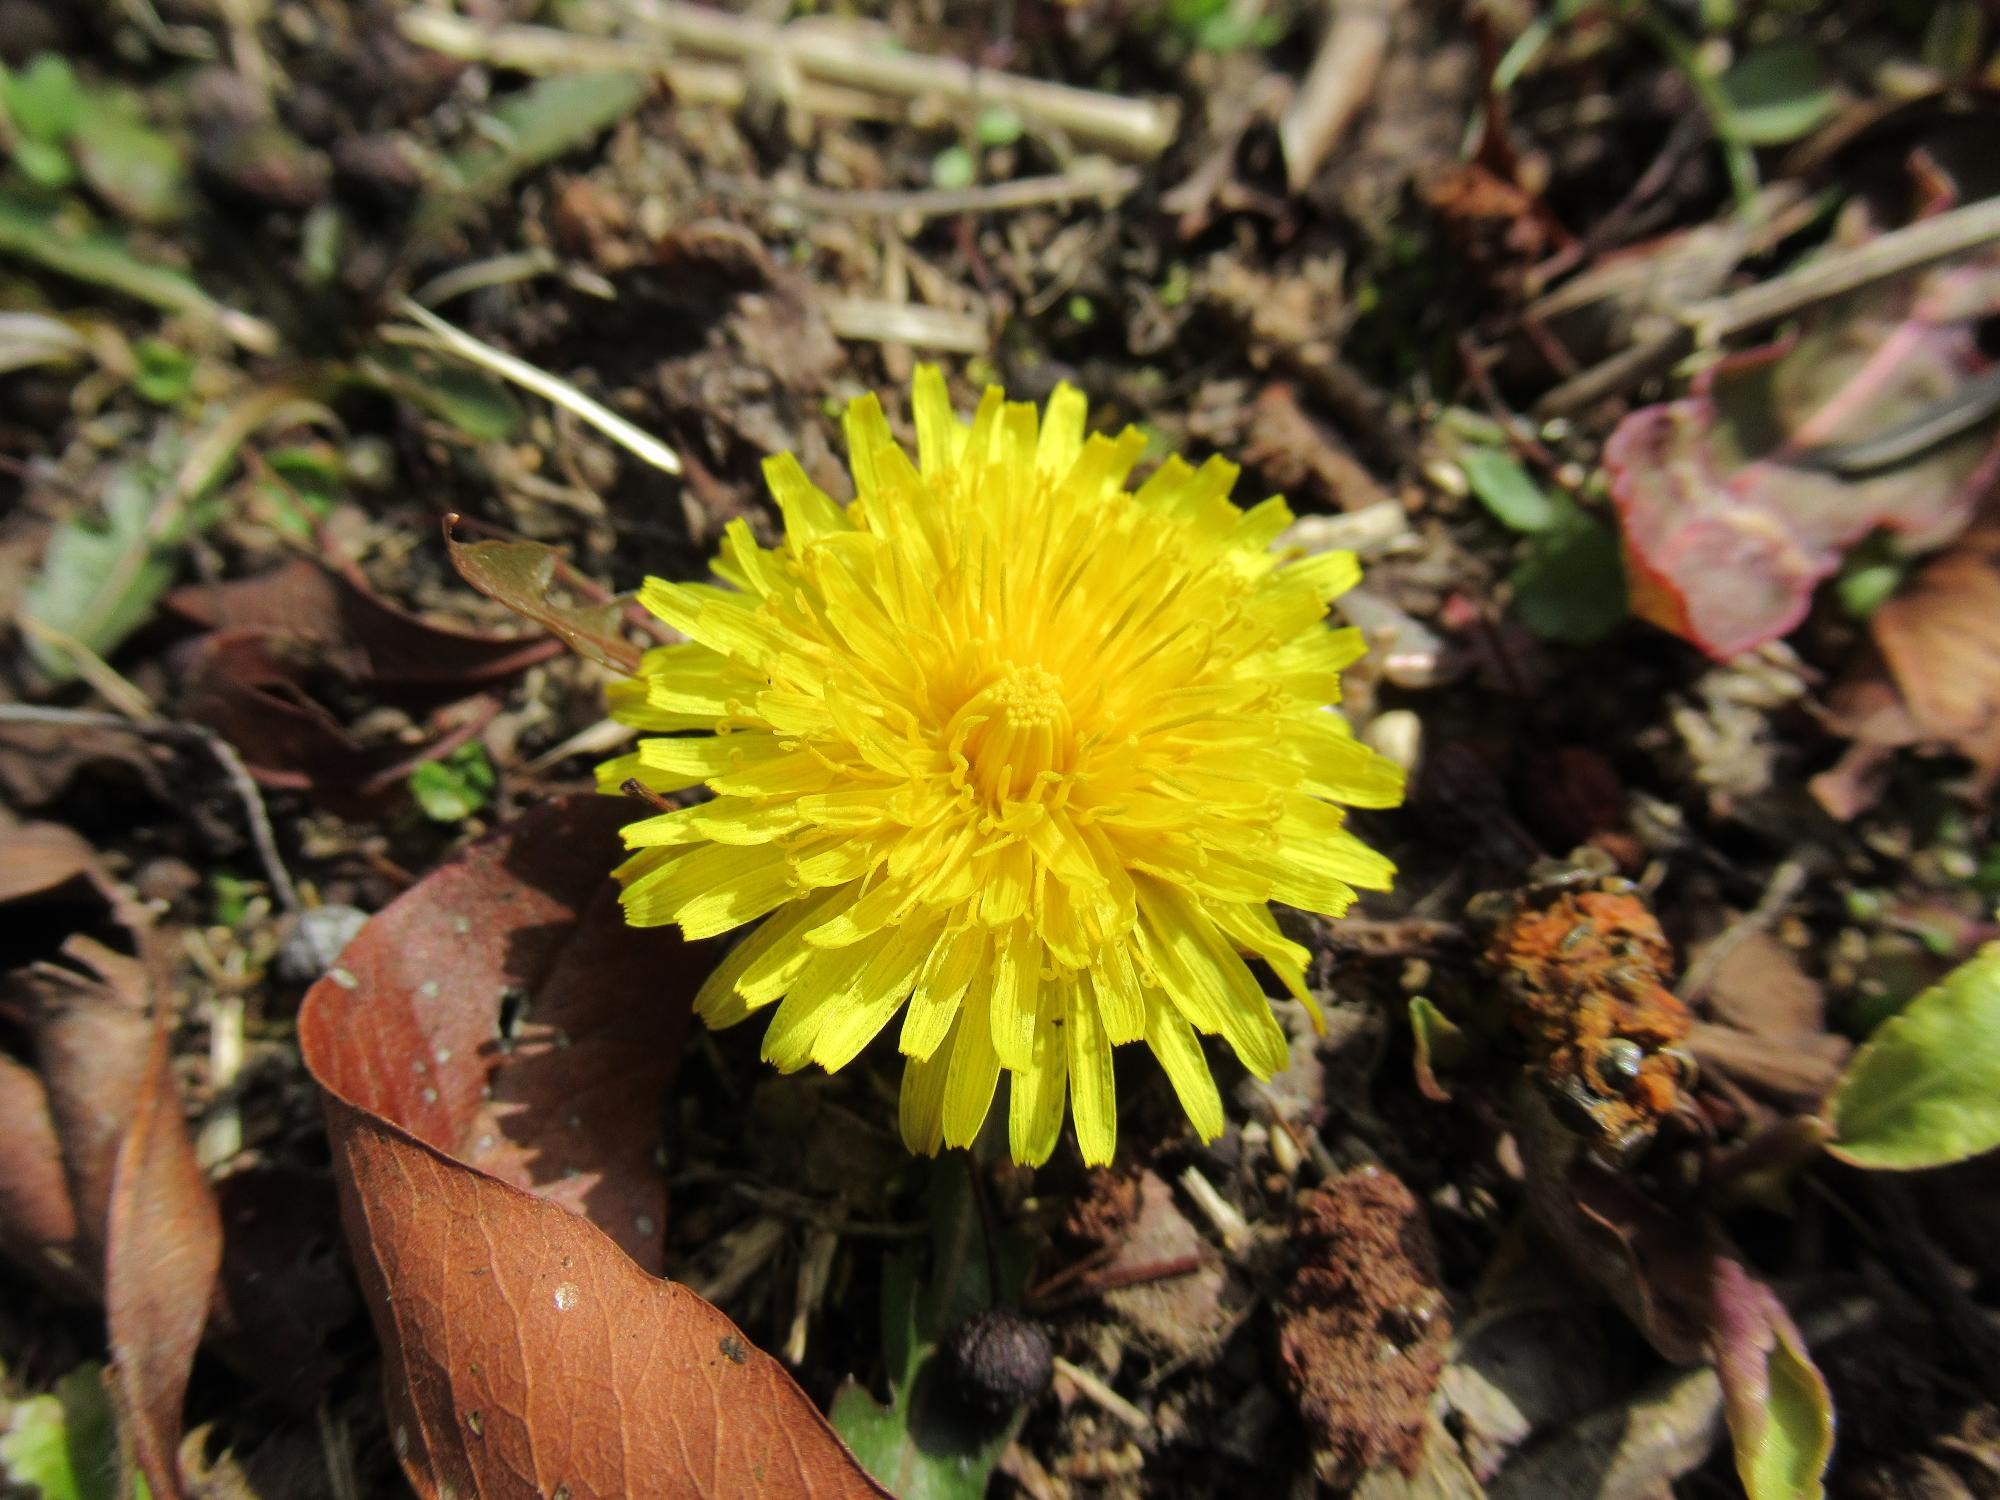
(1003, 1359)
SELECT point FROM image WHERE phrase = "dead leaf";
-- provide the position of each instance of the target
(38, 762)
(1731, 521)
(38, 1227)
(1940, 636)
(1768, 1028)
(360, 636)
(522, 576)
(1362, 1328)
(145, 1228)
(41, 857)
(249, 686)
(487, 1234)
(163, 1244)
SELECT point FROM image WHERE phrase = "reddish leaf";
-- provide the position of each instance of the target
(145, 1225)
(1780, 1415)
(37, 1219)
(522, 576)
(360, 635)
(527, 1353)
(1941, 639)
(1729, 524)
(163, 1243)
(249, 685)
(273, 640)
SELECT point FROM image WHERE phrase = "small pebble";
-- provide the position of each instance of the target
(316, 941)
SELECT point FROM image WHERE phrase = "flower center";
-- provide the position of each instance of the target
(1012, 732)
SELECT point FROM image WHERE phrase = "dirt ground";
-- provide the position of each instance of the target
(1682, 589)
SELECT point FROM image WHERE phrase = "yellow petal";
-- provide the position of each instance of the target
(1017, 981)
(1092, 1091)
(709, 889)
(1036, 1093)
(975, 1070)
(934, 1005)
(744, 981)
(1174, 1043)
(821, 988)
(922, 1101)
(877, 995)
(808, 513)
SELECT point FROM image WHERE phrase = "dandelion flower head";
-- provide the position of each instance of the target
(1012, 750)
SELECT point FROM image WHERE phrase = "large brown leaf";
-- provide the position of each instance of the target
(500, 1239)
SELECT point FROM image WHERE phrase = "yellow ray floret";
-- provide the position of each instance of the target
(1012, 749)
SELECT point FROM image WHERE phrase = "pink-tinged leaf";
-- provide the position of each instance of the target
(1733, 513)
(1780, 1416)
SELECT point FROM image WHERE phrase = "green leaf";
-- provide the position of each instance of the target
(527, 128)
(454, 788)
(927, 1443)
(133, 167)
(44, 101)
(1924, 1090)
(953, 168)
(100, 577)
(1507, 489)
(1778, 94)
(165, 374)
(1798, 1432)
(1869, 575)
(1775, 1400)
(998, 125)
(1571, 585)
(1439, 1042)
(43, 164)
(33, 232)
(476, 403)
(64, 1446)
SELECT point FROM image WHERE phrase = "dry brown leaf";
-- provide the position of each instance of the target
(37, 1219)
(271, 641)
(41, 857)
(360, 635)
(144, 1224)
(527, 1354)
(1940, 636)
(1768, 1028)
(523, 576)
(163, 1245)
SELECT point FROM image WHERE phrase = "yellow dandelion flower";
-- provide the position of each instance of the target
(1012, 749)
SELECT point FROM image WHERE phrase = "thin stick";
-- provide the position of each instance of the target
(1087, 179)
(840, 63)
(261, 832)
(1841, 271)
(549, 387)
(1095, 1388)
(1337, 85)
